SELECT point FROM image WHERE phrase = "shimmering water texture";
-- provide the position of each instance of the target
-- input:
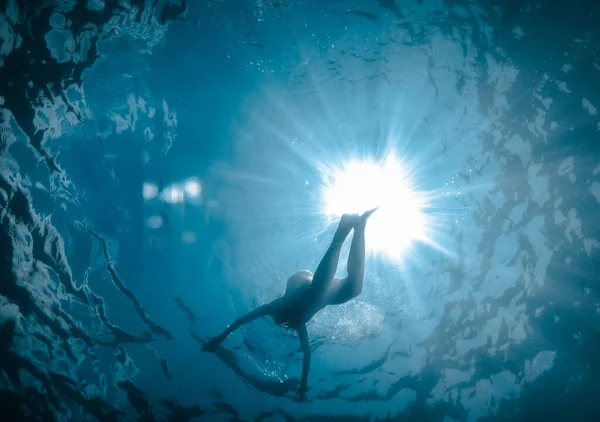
(165, 166)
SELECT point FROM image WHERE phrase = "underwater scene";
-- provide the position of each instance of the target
(299, 210)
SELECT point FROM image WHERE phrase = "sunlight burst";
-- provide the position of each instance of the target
(358, 186)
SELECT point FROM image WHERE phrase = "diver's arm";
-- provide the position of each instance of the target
(303, 334)
(261, 311)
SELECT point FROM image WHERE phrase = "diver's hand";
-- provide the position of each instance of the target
(301, 394)
(212, 344)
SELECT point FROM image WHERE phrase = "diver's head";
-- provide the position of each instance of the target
(299, 279)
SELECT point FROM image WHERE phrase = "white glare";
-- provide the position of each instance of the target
(155, 222)
(173, 194)
(192, 188)
(149, 191)
(188, 237)
(361, 185)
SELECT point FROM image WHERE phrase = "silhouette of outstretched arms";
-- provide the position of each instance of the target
(213, 343)
(303, 334)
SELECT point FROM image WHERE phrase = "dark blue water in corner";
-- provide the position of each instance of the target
(166, 165)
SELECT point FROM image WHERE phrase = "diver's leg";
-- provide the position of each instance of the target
(328, 265)
(351, 286)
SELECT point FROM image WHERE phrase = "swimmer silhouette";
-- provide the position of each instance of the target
(306, 294)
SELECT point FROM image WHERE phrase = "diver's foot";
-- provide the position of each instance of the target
(368, 213)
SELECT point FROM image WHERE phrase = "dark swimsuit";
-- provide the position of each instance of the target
(294, 309)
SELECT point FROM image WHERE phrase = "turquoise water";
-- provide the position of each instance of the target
(167, 165)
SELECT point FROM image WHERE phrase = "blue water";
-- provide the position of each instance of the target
(163, 167)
